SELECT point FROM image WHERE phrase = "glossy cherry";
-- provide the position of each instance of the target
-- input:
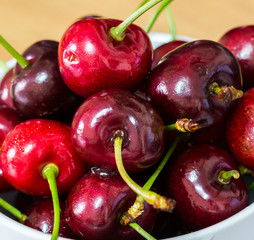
(165, 48)
(33, 144)
(105, 113)
(240, 41)
(96, 204)
(194, 81)
(38, 90)
(203, 194)
(240, 130)
(40, 216)
(91, 60)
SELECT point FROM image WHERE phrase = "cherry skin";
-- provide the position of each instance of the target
(9, 118)
(201, 199)
(240, 41)
(32, 145)
(91, 60)
(96, 204)
(40, 216)
(240, 130)
(5, 89)
(105, 113)
(38, 90)
(165, 48)
(182, 85)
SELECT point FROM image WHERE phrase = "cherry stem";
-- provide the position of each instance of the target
(164, 4)
(4, 66)
(50, 172)
(225, 177)
(118, 32)
(20, 59)
(14, 211)
(141, 231)
(171, 23)
(185, 125)
(158, 201)
(136, 209)
(225, 93)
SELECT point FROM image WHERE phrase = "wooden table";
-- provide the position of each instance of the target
(24, 22)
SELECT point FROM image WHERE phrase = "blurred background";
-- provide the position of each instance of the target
(23, 22)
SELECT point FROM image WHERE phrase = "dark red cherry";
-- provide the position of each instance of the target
(240, 130)
(165, 48)
(204, 195)
(96, 204)
(40, 216)
(38, 90)
(240, 41)
(30, 147)
(194, 82)
(91, 60)
(102, 115)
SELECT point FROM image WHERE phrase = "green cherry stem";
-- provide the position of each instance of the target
(14, 211)
(136, 209)
(158, 201)
(141, 231)
(171, 23)
(225, 177)
(50, 172)
(20, 59)
(156, 14)
(118, 32)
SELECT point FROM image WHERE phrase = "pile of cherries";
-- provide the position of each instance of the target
(88, 124)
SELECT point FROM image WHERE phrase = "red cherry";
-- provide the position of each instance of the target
(105, 113)
(204, 195)
(91, 60)
(240, 130)
(33, 144)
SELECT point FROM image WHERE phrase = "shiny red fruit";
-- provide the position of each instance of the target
(90, 60)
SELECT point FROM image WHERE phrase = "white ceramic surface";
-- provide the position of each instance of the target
(236, 227)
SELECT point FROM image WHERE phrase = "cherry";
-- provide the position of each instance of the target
(165, 48)
(38, 89)
(40, 216)
(96, 204)
(97, 54)
(240, 41)
(206, 185)
(5, 89)
(240, 130)
(105, 113)
(198, 81)
(38, 158)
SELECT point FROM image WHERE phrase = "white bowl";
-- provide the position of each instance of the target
(236, 227)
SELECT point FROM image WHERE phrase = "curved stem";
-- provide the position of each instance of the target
(20, 59)
(14, 211)
(50, 172)
(136, 209)
(152, 198)
(225, 177)
(141, 231)
(118, 32)
(156, 14)
(171, 23)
